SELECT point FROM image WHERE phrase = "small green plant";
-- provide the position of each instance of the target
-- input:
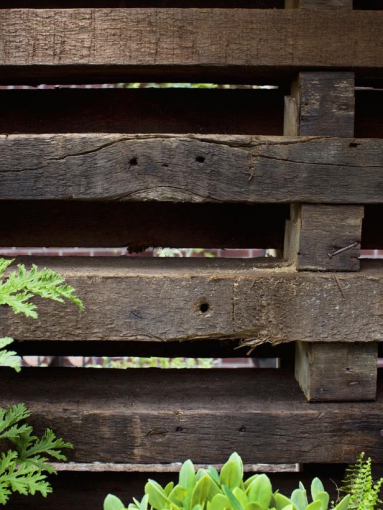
(22, 467)
(209, 490)
(358, 483)
(24, 457)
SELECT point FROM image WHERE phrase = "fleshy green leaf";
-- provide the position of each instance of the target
(316, 488)
(113, 503)
(260, 491)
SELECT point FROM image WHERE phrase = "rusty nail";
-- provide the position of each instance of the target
(353, 245)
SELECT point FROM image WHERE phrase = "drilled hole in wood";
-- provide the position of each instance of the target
(179, 429)
(200, 159)
(352, 145)
(242, 429)
(133, 162)
(204, 307)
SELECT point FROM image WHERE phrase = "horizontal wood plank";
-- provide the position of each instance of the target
(149, 416)
(148, 110)
(88, 490)
(191, 168)
(140, 225)
(70, 4)
(185, 299)
(57, 46)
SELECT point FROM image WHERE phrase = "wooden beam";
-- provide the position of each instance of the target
(186, 299)
(150, 416)
(110, 45)
(316, 233)
(325, 105)
(138, 226)
(340, 372)
(319, 4)
(191, 168)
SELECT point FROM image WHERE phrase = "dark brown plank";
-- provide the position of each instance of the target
(149, 416)
(319, 4)
(140, 225)
(88, 490)
(142, 111)
(137, 45)
(325, 105)
(187, 349)
(70, 4)
(186, 299)
(340, 372)
(316, 233)
(190, 168)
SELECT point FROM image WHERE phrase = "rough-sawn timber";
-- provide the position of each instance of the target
(148, 416)
(191, 168)
(184, 299)
(70, 44)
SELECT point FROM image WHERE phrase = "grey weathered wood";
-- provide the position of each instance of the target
(340, 372)
(93, 45)
(190, 168)
(315, 232)
(150, 416)
(160, 299)
(318, 4)
(325, 103)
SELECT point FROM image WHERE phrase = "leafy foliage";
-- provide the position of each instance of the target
(8, 358)
(209, 490)
(20, 286)
(22, 468)
(364, 493)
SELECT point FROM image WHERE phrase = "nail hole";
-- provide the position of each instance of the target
(204, 307)
(179, 429)
(165, 165)
(200, 159)
(352, 145)
(348, 369)
(242, 429)
(133, 162)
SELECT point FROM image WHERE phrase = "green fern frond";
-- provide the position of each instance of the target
(9, 358)
(22, 285)
(359, 484)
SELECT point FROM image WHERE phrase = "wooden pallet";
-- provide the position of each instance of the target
(298, 168)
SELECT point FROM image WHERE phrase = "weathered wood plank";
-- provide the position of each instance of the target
(141, 44)
(148, 416)
(142, 111)
(337, 372)
(140, 225)
(325, 104)
(319, 4)
(316, 233)
(186, 299)
(191, 168)
(88, 490)
(71, 4)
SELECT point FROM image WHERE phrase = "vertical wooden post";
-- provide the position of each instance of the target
(322, 237)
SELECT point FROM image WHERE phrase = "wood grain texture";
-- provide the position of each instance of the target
(316, 232)
(325, 103)
(190, 168)
(340, 372)
(141, 225)
(319, 4)
(88, 490)
(128, 44)
(70, 4)
(185, 299)
(142, 111)
(149, 416)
